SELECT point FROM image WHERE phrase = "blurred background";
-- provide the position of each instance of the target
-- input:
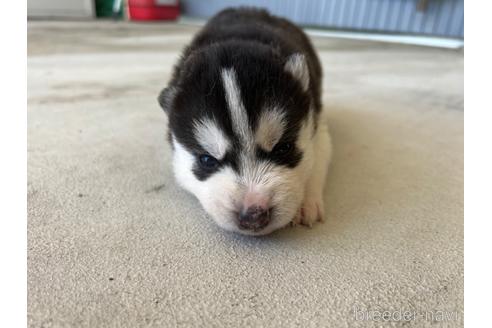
(437, 18)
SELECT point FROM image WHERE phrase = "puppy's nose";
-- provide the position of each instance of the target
(254, 218)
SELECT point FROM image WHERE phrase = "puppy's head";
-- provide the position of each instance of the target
(241, 121)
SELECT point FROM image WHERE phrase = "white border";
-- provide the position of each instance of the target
(478, 164)
(13, 127)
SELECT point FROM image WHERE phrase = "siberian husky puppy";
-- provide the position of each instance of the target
(245, 123)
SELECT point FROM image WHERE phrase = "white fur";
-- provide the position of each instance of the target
(222, 193)
(211, 138)
(217, 194)
(270, 128)
(238, 113)
(312, 208)
(297, 66)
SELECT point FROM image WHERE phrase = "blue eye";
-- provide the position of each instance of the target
(282, 148)
(208, 162)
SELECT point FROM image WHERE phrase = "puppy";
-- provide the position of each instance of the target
(244, 110)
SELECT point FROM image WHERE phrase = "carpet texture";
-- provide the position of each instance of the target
(114, 242)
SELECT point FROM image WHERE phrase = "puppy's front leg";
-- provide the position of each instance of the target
(312, 208)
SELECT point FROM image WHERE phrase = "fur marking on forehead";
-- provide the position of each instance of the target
(239, 117)
(211, 137)
(270, 129)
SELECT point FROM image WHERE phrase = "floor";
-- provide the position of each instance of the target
(114, 242)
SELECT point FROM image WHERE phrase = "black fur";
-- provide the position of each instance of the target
(257, 45)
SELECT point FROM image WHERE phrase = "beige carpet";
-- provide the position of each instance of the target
(113, 242)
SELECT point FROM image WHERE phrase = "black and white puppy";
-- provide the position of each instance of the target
(244, 109)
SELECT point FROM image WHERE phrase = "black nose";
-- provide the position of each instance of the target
(254, 218)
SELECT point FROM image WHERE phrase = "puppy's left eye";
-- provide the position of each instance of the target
(282, 148)
(208, 162)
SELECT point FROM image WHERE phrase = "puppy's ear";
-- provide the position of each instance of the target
(297, 66)
(166, 98)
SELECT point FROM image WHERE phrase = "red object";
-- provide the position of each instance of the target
(148, 10)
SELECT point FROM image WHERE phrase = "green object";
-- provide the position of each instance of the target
(104, 8)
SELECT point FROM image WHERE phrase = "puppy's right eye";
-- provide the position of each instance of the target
(208, 162)
(282, 148)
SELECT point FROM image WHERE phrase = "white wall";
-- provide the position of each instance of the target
(441, 18)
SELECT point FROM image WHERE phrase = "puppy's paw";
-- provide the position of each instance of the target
(312, 210)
